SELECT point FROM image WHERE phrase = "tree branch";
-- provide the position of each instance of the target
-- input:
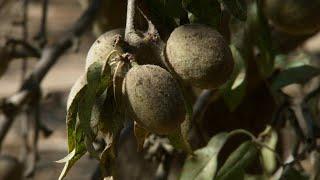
(131, 35)
(25, 33)
(22, 49)
(41, 36)
(49, 56)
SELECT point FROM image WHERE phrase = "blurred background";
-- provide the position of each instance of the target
(56, 85)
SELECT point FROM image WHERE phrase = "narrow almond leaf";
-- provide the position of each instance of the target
(283, 61)
(67, 158)
(238, 8)
(268, 157)
(70, 163)
(85, 105)
(74, 149)
(77, 91)
(299, 75)
(234, 90)
(97, 83)
(203, 164)
(80, 104)
(238, 161)
(261, 34)
(98, 110)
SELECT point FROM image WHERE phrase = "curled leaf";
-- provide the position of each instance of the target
(203, 164)
(268, 157)
(236, 163)
(67, 158)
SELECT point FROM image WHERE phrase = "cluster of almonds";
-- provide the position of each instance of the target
(195, 54)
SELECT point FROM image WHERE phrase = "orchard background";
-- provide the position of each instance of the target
(272, 94)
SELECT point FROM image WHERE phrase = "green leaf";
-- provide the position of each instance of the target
(76, 93)
(98, 80)
(260, 31)
(107, 114)
(203, 11)
(79, 152)
(236, 163)
(203, 164)
(80, 105)
(298, 75)
(234, 90)
(86, 104)
(68, 157)
(75, 149)
(238, 8)
(284, 62)
(98, 110)
(268, 157)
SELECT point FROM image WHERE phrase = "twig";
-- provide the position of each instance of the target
(131, 35)
(33, 115)
(42, 34)
(5, 124)
(21, 48)
(152, 30)
(301, 156)
(25, 6)
(295, 124)
(49, 57)
(312, 94)
(310, 123)
(277, 117)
